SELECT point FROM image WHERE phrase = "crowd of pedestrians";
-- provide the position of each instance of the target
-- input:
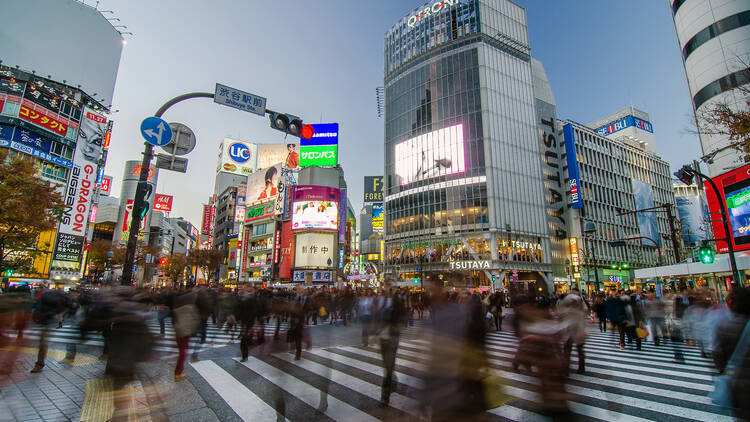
(550, 329)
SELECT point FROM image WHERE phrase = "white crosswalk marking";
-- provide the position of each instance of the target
(336, 408)
(624, 385)
(244, 402)
(215, 336)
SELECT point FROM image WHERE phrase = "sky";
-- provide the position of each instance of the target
(322, 60)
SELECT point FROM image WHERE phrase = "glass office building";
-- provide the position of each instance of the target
(464, 190)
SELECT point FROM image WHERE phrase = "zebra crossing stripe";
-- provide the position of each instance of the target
(305, 392)
(403, 378)
(242, 400)
(397, 401)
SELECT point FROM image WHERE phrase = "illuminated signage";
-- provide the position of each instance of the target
(430, 10)
(438, 153)
(163, 202)
(470, 265)
(625, 123)
(106, 185)
(373, 188)
(322, 148)
(574, 251)
(258, 212)
(574, 183)
(373, 256)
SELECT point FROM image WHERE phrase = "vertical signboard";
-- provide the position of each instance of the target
(574, 181)
(373, 189)
(377, 217)
(286, 251)
(206, 220)
(80, 188)
(342, 217)
(106, 186)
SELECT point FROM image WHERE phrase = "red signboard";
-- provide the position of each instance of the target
(106, 185)
(163, 202)
(734, 190)
(286, 251)
(39, 119)
(206, 225)
(2, 102)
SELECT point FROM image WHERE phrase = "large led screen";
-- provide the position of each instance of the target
(438, 153)
(315, 208)
(738, 207)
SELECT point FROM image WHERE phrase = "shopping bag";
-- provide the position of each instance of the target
(641, 332)
(494, 392)
(322, 312)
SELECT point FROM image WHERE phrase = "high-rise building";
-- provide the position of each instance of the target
(56, 85)
(464, 191)
(714, 40)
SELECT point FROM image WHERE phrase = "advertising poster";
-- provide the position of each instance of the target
(163, 202)
(259, 211)
(373, 189)
(377, 218)
(106, 187)
(206, 220)
(694, 221)
(314, 250)
(322, 148)
(738, 206)
(81, 185)
(438, 153)
(315, 208)
(647, 223)
(237, 157)
(574, 180)
(29, 143)
(263, 184)
(342, 217)
(271, 154)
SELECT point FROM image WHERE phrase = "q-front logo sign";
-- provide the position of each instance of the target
(431, 10)
(470, 265)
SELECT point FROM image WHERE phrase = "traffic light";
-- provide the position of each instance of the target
(706, 254)
(416, 280)
(163, 261)
(292, 125)
(686, 175)
(493, 278)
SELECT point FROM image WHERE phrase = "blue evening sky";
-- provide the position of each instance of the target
(323, 59)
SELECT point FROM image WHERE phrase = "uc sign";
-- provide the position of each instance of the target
(239, 153)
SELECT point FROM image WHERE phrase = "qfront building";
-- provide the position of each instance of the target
(714, 40)
(464, 195)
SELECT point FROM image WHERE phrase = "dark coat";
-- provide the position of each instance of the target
(615, 310)
(728, 335)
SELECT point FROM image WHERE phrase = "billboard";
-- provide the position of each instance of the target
(29, 143)
(263, 185)
(647, 224)
(377, 217)
(373, 189)
(574, 180)
(315, 208)
(237, 157)
(106, 187)
(322, 148)
(625, 123)
(163, 202)
(80, 188)
(314, 250)
(272, 154)
(259, 211)
(206, 220)
(438, 153)
(692, 212)
(738, 208)
(733, 186)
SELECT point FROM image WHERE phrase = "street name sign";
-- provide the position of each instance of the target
(240, 100)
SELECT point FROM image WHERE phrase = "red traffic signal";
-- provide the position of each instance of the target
(307, 132)
(163, 261)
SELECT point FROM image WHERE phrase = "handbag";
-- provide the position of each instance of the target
(494, 392)
(186, 322)
(641, 332)
(722, 394)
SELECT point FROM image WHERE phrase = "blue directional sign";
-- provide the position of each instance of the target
(156, 131)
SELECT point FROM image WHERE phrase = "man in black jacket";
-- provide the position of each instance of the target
(728, 335)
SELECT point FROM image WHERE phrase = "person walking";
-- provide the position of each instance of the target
(185, 319)
(573, 314)
(601, 313)
(49, 303)
(389, 311)
(615, 310)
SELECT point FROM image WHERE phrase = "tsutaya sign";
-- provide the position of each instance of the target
(470, 265)
(432, 10)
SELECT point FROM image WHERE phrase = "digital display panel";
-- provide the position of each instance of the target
(315, 208)
(438, 153)
(738, 207)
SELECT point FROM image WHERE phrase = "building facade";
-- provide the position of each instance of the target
(463, 175)
(714, 41)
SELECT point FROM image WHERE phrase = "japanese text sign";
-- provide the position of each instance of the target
(240, 100)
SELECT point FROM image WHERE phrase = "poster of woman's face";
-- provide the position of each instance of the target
(90, 137)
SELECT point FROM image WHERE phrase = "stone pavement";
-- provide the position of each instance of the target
(64, 392)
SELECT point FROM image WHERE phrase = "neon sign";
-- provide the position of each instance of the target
(436, 8)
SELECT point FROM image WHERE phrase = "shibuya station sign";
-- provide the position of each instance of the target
(430, 10)
(470, 265)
